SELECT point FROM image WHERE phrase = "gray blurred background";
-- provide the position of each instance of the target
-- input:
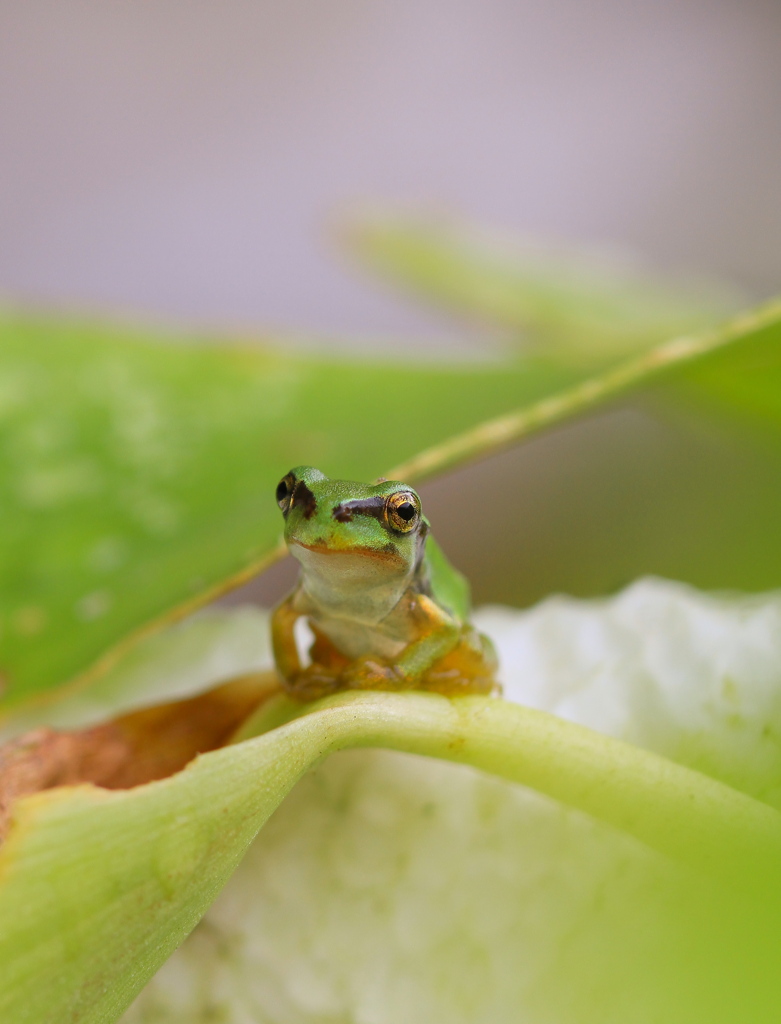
(182, 162)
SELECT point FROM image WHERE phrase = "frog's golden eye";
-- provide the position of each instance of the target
(285, 488)
(403, 510)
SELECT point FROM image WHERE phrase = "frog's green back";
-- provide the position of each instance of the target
(449, 587)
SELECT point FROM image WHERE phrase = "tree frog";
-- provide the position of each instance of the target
(386, 608)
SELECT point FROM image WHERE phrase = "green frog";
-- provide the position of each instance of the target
(385, 607)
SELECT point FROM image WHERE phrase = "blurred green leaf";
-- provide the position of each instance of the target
(564, 299)
(741, 385)
(137, 474)
(746, 350)
(98, 888)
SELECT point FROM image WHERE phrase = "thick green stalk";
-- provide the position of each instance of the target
(679, 812)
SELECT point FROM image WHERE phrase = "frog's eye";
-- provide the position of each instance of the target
(285, 488)
(403, 511)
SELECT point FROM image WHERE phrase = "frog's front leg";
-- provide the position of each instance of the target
(439, 636)
(308, 683)
(283, 638)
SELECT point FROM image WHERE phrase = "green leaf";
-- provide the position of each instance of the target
(561, 298)
(739, 385)
(137, 474)
(99, 887)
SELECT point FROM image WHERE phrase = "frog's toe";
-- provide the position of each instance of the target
(373, 674)
(452, 683)
(314, 682)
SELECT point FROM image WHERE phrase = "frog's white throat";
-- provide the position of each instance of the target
(352, 585)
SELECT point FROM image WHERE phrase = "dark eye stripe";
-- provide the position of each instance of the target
(303, 496)
(346, 511)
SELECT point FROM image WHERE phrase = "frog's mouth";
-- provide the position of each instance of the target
(387, 554)
(361, 583)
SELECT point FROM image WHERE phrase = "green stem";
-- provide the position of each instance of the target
(495, 434)
(677, 811)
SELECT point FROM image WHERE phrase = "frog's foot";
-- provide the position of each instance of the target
(468, 669)
(374, 674)
(314, 682)
(452, 683)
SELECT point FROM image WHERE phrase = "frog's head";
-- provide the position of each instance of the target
(351, 537)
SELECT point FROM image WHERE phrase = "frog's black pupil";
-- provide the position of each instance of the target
(281, 490)
(406, 510)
